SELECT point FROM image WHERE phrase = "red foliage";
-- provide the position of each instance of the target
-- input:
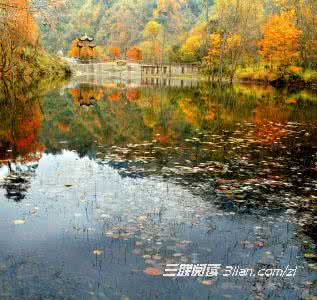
(114, 52)
(132, 94)
(115, 96)
(134, 54)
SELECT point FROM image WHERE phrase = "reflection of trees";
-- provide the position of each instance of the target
(132, 94)
(17, 184)
(168, 115)
(111, 119)
(21, 117)
(87, 95)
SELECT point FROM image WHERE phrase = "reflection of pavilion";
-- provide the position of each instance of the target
(87, 95)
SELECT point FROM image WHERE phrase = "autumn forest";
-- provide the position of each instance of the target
(248, 40)
(259, 40)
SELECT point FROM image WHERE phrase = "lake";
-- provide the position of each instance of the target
(104, 185)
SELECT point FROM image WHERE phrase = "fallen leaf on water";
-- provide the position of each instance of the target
(207, 282)
(309, 255)
(33, 211)
(136, 270)
(291, 100)
(223, 187)
(150, 261)
(308, 283)
(153, 271)
(97, 252)
(259, 244)
(136, 251)
(142, 218)
(179, 245)
(312, 266)
(18, 222)
(157, 257)
(103, 216)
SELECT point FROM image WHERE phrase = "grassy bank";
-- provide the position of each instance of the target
(48, 66)
(292, 75)
(36, 64)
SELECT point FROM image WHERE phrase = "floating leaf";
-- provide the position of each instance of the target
(150, 261)
(223, 187)
(18, 222)
(207, 282)
(68, 184)
(97, 252)
(291, 100)
(259, 244)
(153, 271)
(309, 255)
(142, 218)
(136, 251)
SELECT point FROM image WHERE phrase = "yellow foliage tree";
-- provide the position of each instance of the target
(231, 50)
(191, 46)
(309, 36)
(114, 52)
(280, 42)
(215, 41)
(165, 6)
(152, 32)
(134, 54)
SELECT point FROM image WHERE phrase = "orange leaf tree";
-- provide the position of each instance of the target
(280, 42)
(134, 54)
(114, 52)
(74, 51)
(18, 31)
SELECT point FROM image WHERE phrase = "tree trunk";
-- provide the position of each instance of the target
(222, 48)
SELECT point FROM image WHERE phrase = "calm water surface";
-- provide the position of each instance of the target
(101, 186)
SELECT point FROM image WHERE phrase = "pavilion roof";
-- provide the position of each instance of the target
(86, 38)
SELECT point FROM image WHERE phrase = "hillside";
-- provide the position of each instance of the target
(118, 23)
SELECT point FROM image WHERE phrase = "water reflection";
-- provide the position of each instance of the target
(131, 178)
(21, 118)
